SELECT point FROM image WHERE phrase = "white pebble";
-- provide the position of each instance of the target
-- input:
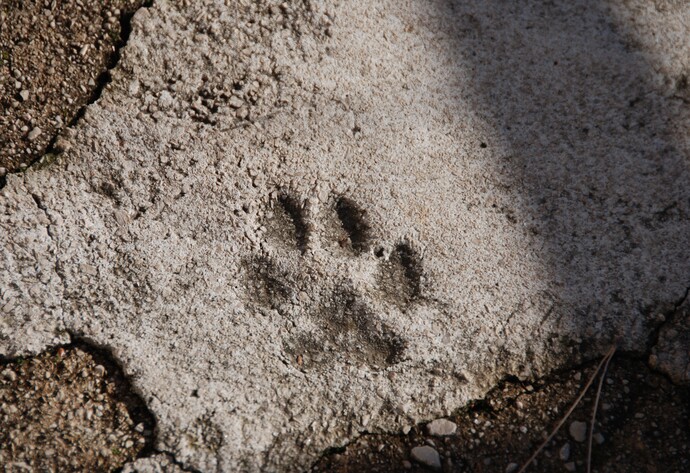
(35, 133)
(441, 427)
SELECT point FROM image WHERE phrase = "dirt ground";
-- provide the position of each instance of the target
(643, 425)
(54, 57)
(69, 410)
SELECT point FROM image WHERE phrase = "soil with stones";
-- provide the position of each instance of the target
(72, 411)
(69, 410)
(54, 56)
(643, 425)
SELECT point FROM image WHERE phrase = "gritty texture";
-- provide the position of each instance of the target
(53, 58)
(158, 463)
(295, 222)
(63, 411)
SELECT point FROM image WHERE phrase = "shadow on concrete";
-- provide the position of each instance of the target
(588, 142)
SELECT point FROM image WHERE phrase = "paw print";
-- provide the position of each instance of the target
(342, 301)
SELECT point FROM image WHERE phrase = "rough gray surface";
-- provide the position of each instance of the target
(292, 223)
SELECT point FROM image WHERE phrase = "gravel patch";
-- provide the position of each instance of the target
(69, 410)
(53, 59)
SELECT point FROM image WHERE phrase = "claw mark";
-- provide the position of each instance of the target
(288, 222)
(411, 264)
(352, 218)
(401, 276)
(266, 283)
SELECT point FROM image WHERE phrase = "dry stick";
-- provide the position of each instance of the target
(609, 354)
(594, 411)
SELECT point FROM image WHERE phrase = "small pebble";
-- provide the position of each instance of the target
(441, 427)
(99, 370)
(24, 94)
(578, 431)
(61, 144)
(564, 452)
(165, 100)
(242, 113)
(133, 88)
(9, 375)
(407, 465)
(427, 455)
(598, 438)
(511, 467)
(235, 102)
(570, 466)
(35, 133)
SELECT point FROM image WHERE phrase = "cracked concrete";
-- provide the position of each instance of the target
(533, 160)
(670, 353)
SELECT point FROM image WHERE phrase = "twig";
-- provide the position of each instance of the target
(594, 411)
(608, 356)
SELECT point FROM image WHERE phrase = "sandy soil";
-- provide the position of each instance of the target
(54, 57)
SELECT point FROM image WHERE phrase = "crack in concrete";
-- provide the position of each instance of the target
(668, 317)
(102, 81)
(124, 392)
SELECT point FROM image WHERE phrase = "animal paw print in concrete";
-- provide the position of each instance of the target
(341, 300)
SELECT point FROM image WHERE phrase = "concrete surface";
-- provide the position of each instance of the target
(296, 223)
